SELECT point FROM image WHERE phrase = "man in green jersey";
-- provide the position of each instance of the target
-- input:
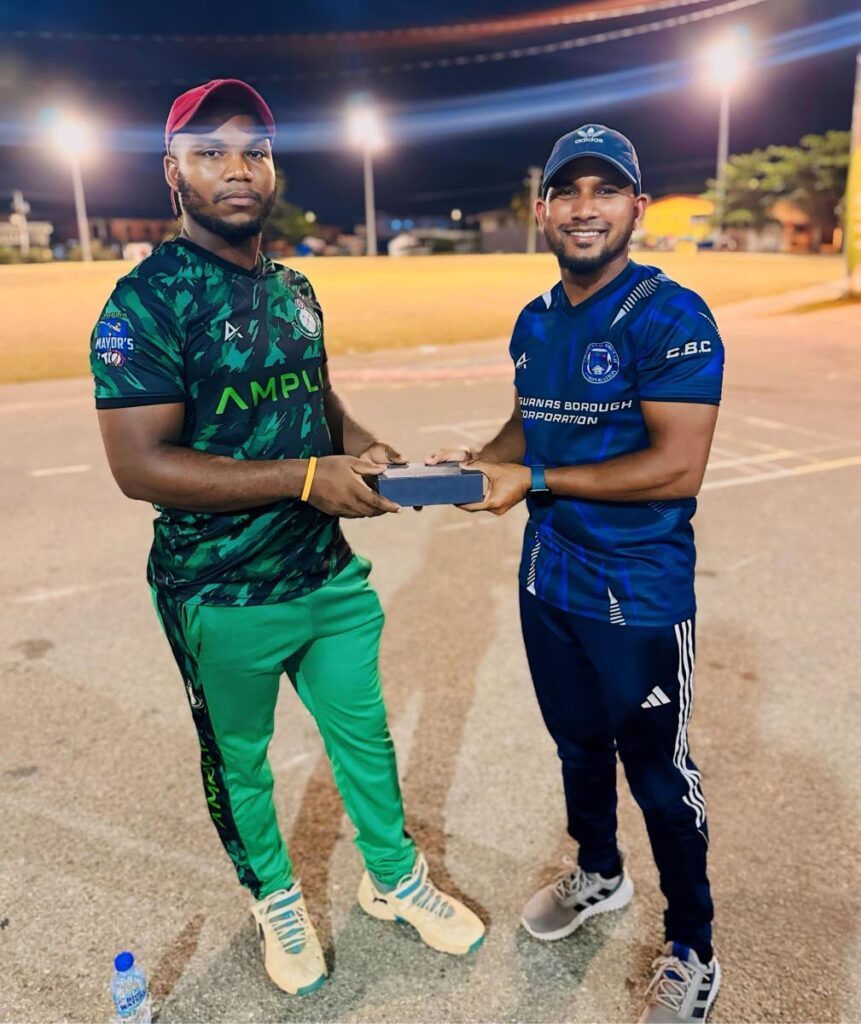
(215, 405)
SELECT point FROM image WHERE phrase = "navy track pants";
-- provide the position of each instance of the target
(604, 688)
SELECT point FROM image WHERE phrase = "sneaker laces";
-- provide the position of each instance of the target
(569, 883)
(289, 921)
(672, 982)
(428, 898)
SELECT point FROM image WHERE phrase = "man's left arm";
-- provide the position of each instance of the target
(679, 374)
(673, 466)
(349, 437)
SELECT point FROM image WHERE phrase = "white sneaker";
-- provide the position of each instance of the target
(442, 922)
(290, 947)
(683, 988)
(560, 908)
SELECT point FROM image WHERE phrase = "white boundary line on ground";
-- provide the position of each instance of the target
(42, 403)
(731, 459)
(460, 427)
(769, 424)
(819, 467)
(59, 470)
(38, 596)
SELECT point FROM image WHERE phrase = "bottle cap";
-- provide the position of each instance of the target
(124, 961)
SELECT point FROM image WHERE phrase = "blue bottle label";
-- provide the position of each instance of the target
(128, 1003)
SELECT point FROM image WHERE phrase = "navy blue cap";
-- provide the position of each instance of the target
(601, 142)
(124, 961)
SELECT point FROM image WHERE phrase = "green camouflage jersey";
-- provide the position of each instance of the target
(243, 351)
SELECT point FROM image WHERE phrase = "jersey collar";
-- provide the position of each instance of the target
(618, 282)
(262, 267)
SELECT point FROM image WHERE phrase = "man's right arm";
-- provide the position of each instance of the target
(150, 465)
(509, 444)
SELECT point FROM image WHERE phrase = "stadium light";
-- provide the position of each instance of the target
(726, 62)
(365, 127)
(72, 139)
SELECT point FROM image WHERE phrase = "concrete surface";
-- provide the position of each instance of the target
(106, 843)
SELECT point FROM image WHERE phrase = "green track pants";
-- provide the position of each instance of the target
(231, 660)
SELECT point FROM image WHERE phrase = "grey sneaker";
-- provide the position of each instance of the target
(683, 989)
(561, 907)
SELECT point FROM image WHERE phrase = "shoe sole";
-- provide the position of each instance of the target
(387, 915)
(619, 899)
(308, 989)
(714, 992)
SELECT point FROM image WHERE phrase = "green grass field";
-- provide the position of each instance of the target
(49, 309)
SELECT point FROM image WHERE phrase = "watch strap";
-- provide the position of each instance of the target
(539, 483)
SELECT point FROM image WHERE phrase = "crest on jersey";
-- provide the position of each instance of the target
(307, 320)
(600, 363)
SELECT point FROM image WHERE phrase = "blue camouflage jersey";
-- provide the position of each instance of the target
(581, 373)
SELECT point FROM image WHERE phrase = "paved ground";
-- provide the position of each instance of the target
(105, 839)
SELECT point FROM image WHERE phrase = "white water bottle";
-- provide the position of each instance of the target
(129, 991)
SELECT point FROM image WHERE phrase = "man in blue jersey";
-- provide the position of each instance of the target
(618, 375)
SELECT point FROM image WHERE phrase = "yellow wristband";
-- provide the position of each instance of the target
(309, 477)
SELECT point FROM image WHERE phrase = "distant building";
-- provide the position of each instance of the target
(677, 218)
(39, 232)
(122, 230)
(426, 241)
(680, 221)
(790, 231)
(502, 230)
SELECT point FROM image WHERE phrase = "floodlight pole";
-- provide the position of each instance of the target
(533, 181)
(722, 152)
(852, 202)
(81, 208)
(370, 212)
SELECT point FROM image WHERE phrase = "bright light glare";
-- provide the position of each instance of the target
(365, 126)
(310, 216)
(456, 214)
(728, 59)
(70, 135)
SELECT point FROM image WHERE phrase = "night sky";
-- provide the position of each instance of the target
(129, 84)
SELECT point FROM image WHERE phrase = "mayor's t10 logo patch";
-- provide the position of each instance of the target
(113, 342)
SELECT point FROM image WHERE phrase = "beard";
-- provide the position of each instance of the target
(586, 265)
(193, 205)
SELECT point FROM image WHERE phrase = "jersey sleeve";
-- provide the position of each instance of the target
(517, 346)
(136, 348)
(680, 355)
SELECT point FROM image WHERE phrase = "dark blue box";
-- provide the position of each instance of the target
(417, 484)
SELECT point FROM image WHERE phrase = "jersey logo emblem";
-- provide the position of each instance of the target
(307, 322)
(600, 363)
(521, 362)
(231, 332)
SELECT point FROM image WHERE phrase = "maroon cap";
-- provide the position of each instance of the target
(187, 105)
